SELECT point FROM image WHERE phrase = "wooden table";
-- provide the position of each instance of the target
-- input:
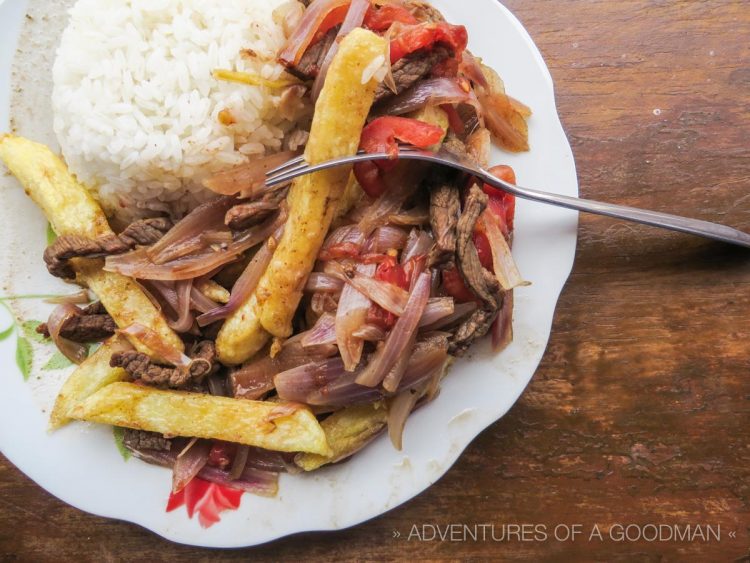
(639, 413)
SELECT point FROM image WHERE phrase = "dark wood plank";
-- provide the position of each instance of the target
(640, 410)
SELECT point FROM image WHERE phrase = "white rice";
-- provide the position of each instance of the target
(137, 108)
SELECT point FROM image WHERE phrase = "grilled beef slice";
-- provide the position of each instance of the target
(144, 232)
(309, 65)
(482, 282)
(93, 325)
(141, 367)
(410, 70)
(245, 215)
(445, 210)
(142, 440)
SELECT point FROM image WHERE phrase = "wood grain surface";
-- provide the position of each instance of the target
(639, 413)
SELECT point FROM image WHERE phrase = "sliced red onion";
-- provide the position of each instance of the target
(384, 239)
(427, 360)
(398, 412)
(437, 308)
(188, 231)
(343, 391)
(74, 351)
(346, 234)
(434, 91)
(247, 180)
(267, 460)
(460, 310)
(199, 302)
(419, 243)
(163, 292)
(255, 379)
(354, 18)
(505, 267)
(370, 333)
(299, 382)
(189, 463)
(471, 68)
(389, 296)
(136, 264)
(327, 283)
(185, 319)
(156, 344)
(224, 236)
(386, 356)
(245, 284)
(416, 217)
(252, 480)
(239, 462)
(502, 328)
(323, 333)
(311, 21)
(350, 315)
(390, 202)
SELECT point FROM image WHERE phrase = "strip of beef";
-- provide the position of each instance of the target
(141, 367)
(410, 70)
(309, 65)
(142, 440)
(482, 282)
(94, 324)
(245, 215)
(57, 256)
(445, 210)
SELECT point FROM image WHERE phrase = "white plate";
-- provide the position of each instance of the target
(80, 464)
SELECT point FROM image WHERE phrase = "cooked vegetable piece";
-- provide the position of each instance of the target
(347, 431)
(91, 376)
(339, 117)
(266, 425)
(72, 210)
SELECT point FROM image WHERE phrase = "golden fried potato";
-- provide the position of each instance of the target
(340, 115)
(72, 210)
(93, 374)
(213, 291)
(254, 423)
(346, 432)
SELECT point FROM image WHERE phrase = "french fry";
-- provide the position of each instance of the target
(347, 431)
(340, 115)
(72, 210)
(254, 423)
(213, 291)
(93, 374)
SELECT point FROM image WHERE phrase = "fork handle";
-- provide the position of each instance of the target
(697, 227)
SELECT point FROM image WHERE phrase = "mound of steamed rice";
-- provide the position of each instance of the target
(137, 108)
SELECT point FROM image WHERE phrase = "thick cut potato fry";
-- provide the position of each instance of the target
(340, 115)
(92, 375)
(346, 432)
(72, 211)
(254, 423)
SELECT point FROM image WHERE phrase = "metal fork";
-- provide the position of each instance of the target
(298, 167)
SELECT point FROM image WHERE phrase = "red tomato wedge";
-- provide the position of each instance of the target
(381, 135)
(426, 35)
(383, 18)
(389, 270)
(502, 204)
(456, 287)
